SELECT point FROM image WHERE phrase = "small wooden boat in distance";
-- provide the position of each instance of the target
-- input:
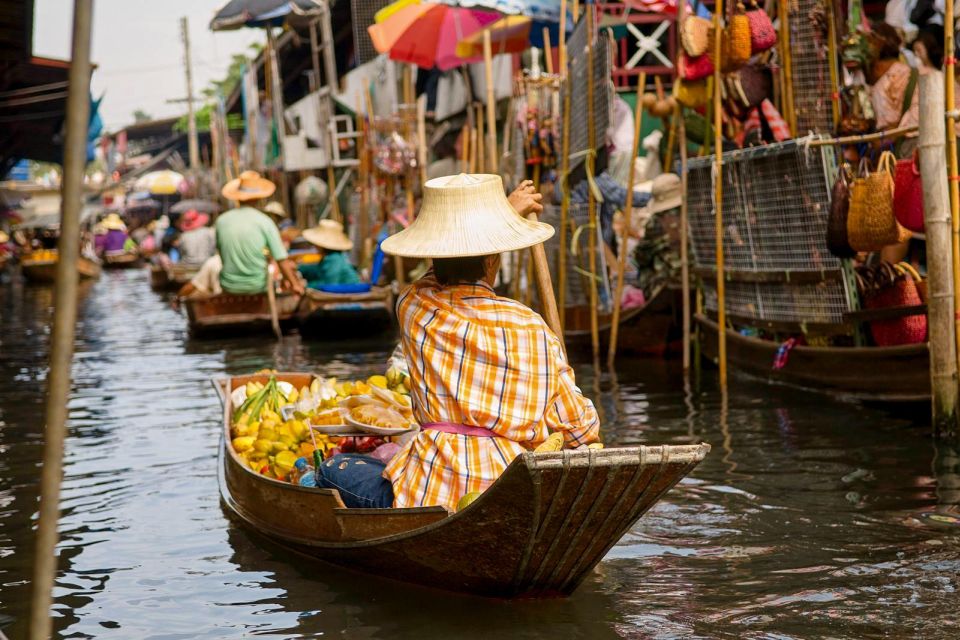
(41, 266)
(236, 313)
(121, 260)
(537, 531)
(346, 315)
(171, 278)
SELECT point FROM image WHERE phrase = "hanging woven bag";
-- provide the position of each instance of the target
(735, 42)
(837, 241)
(888, 287)
(871, 225)
(921, 282)
(695, 35)
(697, 68)
(908, 193)
(762, 34)
(691, 93)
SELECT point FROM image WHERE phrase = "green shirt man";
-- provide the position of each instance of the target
(242, 235)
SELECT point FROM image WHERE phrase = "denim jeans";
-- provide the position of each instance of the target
(358, 478)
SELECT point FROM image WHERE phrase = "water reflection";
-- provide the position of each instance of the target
(811, 518)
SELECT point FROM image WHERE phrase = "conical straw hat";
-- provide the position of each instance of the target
(249, 186)
(328, 235)
(465, 215)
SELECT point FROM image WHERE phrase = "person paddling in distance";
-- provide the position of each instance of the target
(244, 234)
(333, 268)
(489, 379)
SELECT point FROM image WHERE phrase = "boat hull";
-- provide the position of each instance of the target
(171, 278)
(44, 270)
(339, 316)
(880, 374)
(228, 313)
(125, 260)
(537, 531)
(652, 330)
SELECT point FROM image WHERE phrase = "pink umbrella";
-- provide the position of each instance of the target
(427, 34)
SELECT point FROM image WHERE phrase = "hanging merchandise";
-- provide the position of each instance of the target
(856, 111)
(887, 286)
(753, 84)
(837, 240)
(908, 193)
(694, 68)
(691, 93)
(695, 35)
(735, 42)
(871, 224)
(538, 118)
(763, 35)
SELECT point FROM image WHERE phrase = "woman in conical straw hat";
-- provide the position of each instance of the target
(333, 267)
(242, 235)
(488, 378)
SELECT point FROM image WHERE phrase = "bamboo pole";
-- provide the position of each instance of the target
(64, 321)
(832, 60)
(363, 179)
(718, 198)
(627, 220)
(481, 147)
(783, 46)
(889, 135)
(591, 200)
(951, 104)
(938, 229)
(422, 137)
(547, 51)
(491, 104)
(564, 169)
(684, 242)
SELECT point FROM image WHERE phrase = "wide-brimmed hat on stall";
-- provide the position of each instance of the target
(249, 186)
(193, 219)
(113, 222)
(465, 215)
(667, 192)
(329, 235)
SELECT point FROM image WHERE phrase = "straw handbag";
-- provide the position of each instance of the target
(837, 241)
(691, 93)
(694, 68)
(871, 225)
(762, 34)
(735, 42)
(908, 193)
(887, 286)
(695, 35)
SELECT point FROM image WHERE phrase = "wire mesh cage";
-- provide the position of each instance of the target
(603, 91)
(776, 201)
(578, 265)
(812, 86)
(363, 12)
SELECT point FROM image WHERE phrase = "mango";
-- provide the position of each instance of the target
(263, 445)
(243, 443)
(378, 381)
(468, 499)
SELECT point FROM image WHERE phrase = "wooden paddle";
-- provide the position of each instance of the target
(545, 287)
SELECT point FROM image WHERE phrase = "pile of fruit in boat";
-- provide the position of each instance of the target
(275, 424)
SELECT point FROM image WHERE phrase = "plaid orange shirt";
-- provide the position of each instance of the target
(484, 361)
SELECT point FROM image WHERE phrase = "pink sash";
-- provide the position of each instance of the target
(459, 429)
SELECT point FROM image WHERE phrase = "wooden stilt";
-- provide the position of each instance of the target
(786, 60)
(684, 244)
(491, 104)
(951, 133)
(481, 139)
(564, 170)
(422, 137)
(363, 180)
(627, 220)
(718, 201)
(591, 200)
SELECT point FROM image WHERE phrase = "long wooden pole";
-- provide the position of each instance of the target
(491, 104)
(591, 200)
(684, 242)
(832, 61)
(718, 200)
(564, 169)
(627, 220)
(783, 46)
(938, 229)
(422, 137)
(951, 105)
(64, 321)
(363, 178)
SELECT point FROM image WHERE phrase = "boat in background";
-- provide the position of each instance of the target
(122, 260)
(539, 530)
(336, 316)
(41, 266)
(171, 278)
(237, 313)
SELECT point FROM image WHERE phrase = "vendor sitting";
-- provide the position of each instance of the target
(333, 267)
(114, 238)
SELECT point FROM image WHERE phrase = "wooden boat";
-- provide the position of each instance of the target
(122, 260)
(340, 315)
(537, 531)
(235, 313)
(882, 374)
(41, 266)
(655, 329)
(173, 277)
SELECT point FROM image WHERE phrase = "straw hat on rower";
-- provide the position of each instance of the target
(113, 223)
(249, 186)
(329, 235)
(276, 210)
(465, 215)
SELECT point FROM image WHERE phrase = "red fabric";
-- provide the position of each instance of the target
(908, 194)
(774, 120)
(762, 34)
(908, 330)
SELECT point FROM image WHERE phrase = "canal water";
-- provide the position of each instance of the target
(809, 519)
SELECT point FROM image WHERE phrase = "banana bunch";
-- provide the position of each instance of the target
(397, 380)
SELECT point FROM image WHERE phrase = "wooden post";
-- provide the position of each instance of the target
(64, 321)
(627, 219)
(547, 51)
(422, 137)
(275, 87)
(363, 179)
(937, 226)
(684, 242)
(783, 46)
(480, 146)
(718, 199)
(591, 200)
(951, 105)
(832, 61)
(564, 170)
(491, 104)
